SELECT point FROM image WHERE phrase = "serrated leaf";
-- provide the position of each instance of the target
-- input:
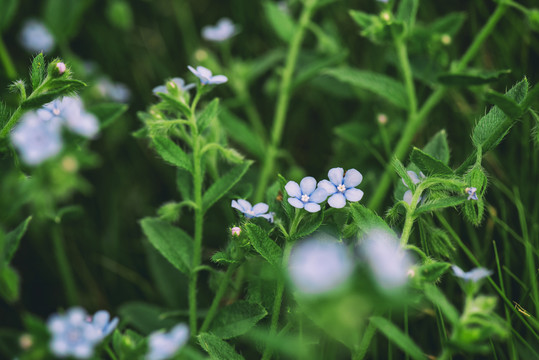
(394, 334)
(209, 113)
(265, 246)
(379, 84)
(241, 133)
(175, 104)
(280, 21)
(309, 226)
(471, 77)
(438, 147)
(172, 242)
(402, 172)
(442, 203)
(38, 101)
(407, 11)
(9, 284)
(428, 164)
(217, 348)
(236, 319)
(38, 70)
(13, 239)
(222, 257)
(72, 85)
(431, 272)
(366, 219)
(172, 153)
(221, 187)
(507, 105)
(107, 113)
(438, 299)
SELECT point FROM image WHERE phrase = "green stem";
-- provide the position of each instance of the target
(402, 54)
(11, 72)
(66, 273)
(410, 218)
(223, 285)
(414, 122)
(284, 99)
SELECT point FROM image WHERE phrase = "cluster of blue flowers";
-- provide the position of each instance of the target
(38, 134)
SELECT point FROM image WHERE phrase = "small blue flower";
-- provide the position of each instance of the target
(35, 37)
(306, 194)
(70, 112)
(36, 140)
(115, 91)
(165, 345)
(471, 191)
(174, 82)
(474, 275)
(102, 323)
(206, 77)
(416, 180)
(224, 30)
(341, 187)
(72, 334)
(259, 210)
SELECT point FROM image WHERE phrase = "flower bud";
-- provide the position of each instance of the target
(61, 67)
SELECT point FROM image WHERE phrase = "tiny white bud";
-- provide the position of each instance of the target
(61, 68)
(236, 231)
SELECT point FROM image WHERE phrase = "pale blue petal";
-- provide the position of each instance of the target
(353, 194)
(292, 188)
(458, 272)
(335, 175)
(352, 178)
(318, 195)
(312, 207)
(337, 201)
(413, 176)
(260, 208)
(307, 185)
(204, 72)
(295, 202)
(159, 89)
(111, 326)
(82, 351)
(218, 79)
(235, 205)
(478, 274)
(408, 197)
(268, 216)
(246, 205)
(193, 70)
(59, 346)
(328, 186)
(101, 319)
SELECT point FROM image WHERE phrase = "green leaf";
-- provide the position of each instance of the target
(471, 77)
(312, 224)
(144, 317)
(441, 203)
(449, 24)
(40, 100)
(474, 209)
(438, 147)
(265, 246)
(175, 104)
(107, 113)
(172, 242)
(402, 173)
(9, 284)
(240, 133)
(13, 239)
(366, 219)
(8, 8)
(184, 183)
(429, 165)
(432, 271)
(438, 299)
(236, 319)
(72, 85)
(407, 12)
(172, 153)
(219, 188)
(381, 85)
(394, 334)
(217, 348)
(39, 70)
(209, 113)
(281, 22)
(507, 105)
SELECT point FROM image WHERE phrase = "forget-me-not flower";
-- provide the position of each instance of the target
(35, 37)
(305, 195)
(224, 30)
(319, 264)
(103, 324)
(70, 111)
(341, 186)
(206, 77)
(115, 91)
(408, 195)
(259, 210)
(177, 82)
(472, 193)
(72, 335)
(474, 275)
(165, 345)
(36, 139)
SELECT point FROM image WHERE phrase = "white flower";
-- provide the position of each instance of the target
(224, 30)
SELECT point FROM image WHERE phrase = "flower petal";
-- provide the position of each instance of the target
(101, 318)
(293, 190)
(260, 208)
(218, 79)
(268, 216)
(353, 194)
(458, 272)
(335, 176)
(337, 201)
(352, 178)
(204, 72)
(246, 205)
(235, 205)
(413, 176)
(159, 89)
(318, 196)
(307, 185)
(312, 207)
(408, 197)
(328, 186)
(193, 70)
(295, 202)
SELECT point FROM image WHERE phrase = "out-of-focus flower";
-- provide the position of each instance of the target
(72, 335)
(115, 91)
(165, 345)
(305, 195)
(35, 37)
(389, 263)
(474, 275)
(103, 324)
(37, 140)
(341, 187)
(259, 210)
(177, 82)
(206, 77)
(224, 30)
(319, 264)
(382, 119)
(408, 195)
(70, 111)
(471, 191)
(235, 231)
